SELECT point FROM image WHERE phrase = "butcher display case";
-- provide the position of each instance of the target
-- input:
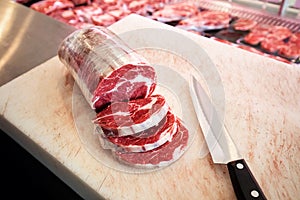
(269, 27)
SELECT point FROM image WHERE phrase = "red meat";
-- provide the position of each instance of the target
(128, 118)
(243, 24)
(290, 50)
(163, 155)
(254, 38)
(105, 68)
(272, 44)
(48, 6)
(103, 20)
(207, 20)
(144, 141)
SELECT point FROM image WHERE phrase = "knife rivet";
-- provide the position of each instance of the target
(239, 165)
(254, 193)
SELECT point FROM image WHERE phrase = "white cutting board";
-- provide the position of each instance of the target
(262, 114)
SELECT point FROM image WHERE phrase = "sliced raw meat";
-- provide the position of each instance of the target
(263, 29)
(280, 32)
(105, 68)
(103, 20)
(243, 24)
(164, 155)
(136, 6)
(128, 82)
(295, 39)
(128, 118)
(254, 38)
(85, 13)
(66, 16)
(175, 12)
(290, 50)
(81, 2)
(269, 37)
(48, 6)
(118, 13)
(144, 141)
(207, 20)
(185, 9)
(271, 44)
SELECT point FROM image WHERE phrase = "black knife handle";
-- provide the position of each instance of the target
(244, 184)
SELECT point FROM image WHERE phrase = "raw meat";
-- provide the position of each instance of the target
(290, 50)
(280, 32)
(164, 155)
(118, 13)
(69, 17)
(144, 141)
(128, 118)
(125, 83)
(207, 20)
(295, 38)
(271, 44)
(85, 13)
(103, 20)
(174, 12)
(105, 68)
(254, 38)
(81, 2)
(262, 31)
(136, 6)
(243, 24)
(48, 6)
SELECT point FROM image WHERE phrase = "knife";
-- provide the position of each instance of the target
(222, 147)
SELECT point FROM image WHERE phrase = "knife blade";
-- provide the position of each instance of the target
(221, 146)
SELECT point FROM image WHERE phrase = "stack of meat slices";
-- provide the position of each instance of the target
(142, 132)
(119, 84)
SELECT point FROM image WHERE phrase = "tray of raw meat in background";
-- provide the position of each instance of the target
(256, 31)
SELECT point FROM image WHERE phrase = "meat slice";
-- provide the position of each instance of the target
(85, 13)
(243, 24)
(290, 50)
(175, 12)
(163, 155)
(66, 16)
(105, 68)
(144, 141)
(272, 44)
(128, 82)
(128, 118)
(48, 6)
(264, 29)
(207, 20)
(81, 2)
(295, 39)
(103, 20)
(136, 6)
(280, 32)
(254, 38)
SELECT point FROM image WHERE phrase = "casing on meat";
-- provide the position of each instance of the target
(104, 67)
